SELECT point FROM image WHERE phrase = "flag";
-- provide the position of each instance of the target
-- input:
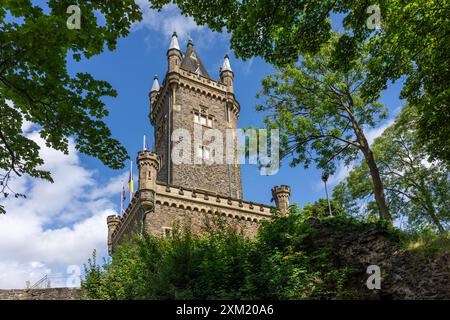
(123, 197)
(131, 182)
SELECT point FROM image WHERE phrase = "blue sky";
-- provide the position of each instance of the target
(59, 224)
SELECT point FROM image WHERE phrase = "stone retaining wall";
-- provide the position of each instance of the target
(42, 294)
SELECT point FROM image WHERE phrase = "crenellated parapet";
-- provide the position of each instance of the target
(191, 201)
(211, 203)
(126, 224)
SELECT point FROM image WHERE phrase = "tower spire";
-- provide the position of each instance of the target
(190, 42)
(174, 42)
(226, 66)
(155, 86)
(226, 74)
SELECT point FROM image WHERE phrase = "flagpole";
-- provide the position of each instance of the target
(131, 180)
(144, 145)
(121, 200)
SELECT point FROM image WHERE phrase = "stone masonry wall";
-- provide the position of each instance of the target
(165, 216)
(177, 204)
(161, 128)
(42, 294)
(212, 177)
(404, 274)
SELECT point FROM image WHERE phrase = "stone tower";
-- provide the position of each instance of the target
(148, 165)
(281, 195)
(190, 101)
(190, 109)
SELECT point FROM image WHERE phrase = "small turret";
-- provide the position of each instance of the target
(281, 195)
(112, 221)
(148, 165)
(155, 86)
(154, 91)
(226, 74)
(174, 54)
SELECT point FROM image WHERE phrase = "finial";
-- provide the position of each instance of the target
(174, 42)
(155, 86)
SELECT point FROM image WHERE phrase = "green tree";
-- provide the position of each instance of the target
(36, 86)
(414, 45)
(411, 43)
(282, 262)
(321, 115)
(415, 188)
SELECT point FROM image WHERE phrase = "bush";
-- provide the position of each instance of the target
(280, 263)
(286, 260)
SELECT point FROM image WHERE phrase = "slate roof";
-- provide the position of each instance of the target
(191, 61)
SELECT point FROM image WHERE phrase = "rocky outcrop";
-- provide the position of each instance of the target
(404, 274)
(42, 294)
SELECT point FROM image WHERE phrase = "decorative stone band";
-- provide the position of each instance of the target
(201, 79)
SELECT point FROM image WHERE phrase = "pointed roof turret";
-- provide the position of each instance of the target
(191, 61)
(190, 42)
(174, 42)
(226, 66)
(155, 86)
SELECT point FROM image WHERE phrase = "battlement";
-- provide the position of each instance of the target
(283, 189)
(209, 202)
(195, 201)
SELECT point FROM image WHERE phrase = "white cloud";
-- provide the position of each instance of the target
(373, 133)
(166, 21)
(59, 224)
(170, 19)
(343, 171)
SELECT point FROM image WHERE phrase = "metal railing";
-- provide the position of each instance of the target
(55, 281)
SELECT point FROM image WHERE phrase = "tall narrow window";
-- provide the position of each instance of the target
(206, 153)
(200, 151)
(203, 120)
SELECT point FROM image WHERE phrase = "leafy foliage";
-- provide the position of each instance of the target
(321, 113)
(412, 43)
(416, 188)
(426, 242)
(282, 262)
(36, 86)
